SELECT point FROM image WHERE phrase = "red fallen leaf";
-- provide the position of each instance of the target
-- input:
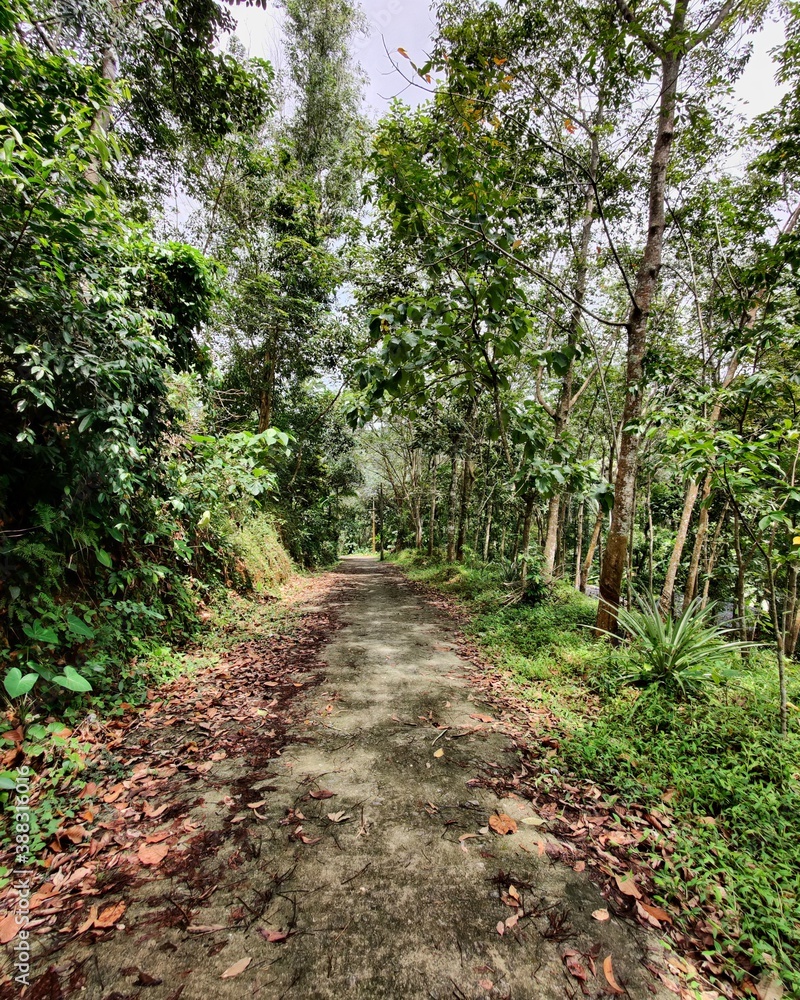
(156, 838)
(502, 823)
(656, 912)
(89, 921)
(601, 914)
(486, 984)
(628, 886)
(110, 915)
(256, 805)
(274, 937)
(579, 866)
(501, 928)
(481, 717)
(310, 840)
(573, 963)
(75, 833)
(13, 735)
(88, 791)
(114, 793)
(237, 968)
(152, 854)
(8, 928)
(323, 793)
(155, 813)
(608, 971)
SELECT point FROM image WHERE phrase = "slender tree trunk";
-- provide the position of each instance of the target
(646, 281)
(565, 401)
(488, 532)
(267, 391)
(109, 69)
(593, 541)
(467, 482)
(740, 595)
(579, 545)
(665, 601)
(712, 556)
(526, 539)
(699, 542)
(791, 610)
(451, 509)
(432, 517)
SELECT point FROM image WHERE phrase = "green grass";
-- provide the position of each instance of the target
(716, 763)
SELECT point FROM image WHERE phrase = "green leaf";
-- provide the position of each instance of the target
(103, 558)
(79, 627)
(16, 684)
(72, 680)
(38, 633)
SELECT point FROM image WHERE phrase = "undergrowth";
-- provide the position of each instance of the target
(716, 762)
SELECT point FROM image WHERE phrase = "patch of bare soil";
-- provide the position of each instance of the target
(331, 817)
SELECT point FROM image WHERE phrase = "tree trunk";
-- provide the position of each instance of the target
(451, 509)
(467, 482)
(432, 516)
(740, 598)
(665, 601)
(614, 558)
(699, 541)
(579, 546)
(267, 392)
(526, 539)
(712, 556)
(587, 562)
(487, 534)
(565, 401)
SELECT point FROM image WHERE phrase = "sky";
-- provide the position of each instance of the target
(409, 24)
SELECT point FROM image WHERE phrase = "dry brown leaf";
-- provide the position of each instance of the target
(204, 928)
(501, 928)
(323, 793)
(338, 817)
(439, 752)
(152, 854)
(769, 987)
(486, 984)
(274, 937)
(237, 968)
(579, 866)
(628, 886)
(110, 915)
(601, 914)
(8, 928)
(533, 821)
(467, 836)
(608, 971)
(502, 823)
(656, 912)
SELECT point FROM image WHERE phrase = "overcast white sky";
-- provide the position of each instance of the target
(408, 23)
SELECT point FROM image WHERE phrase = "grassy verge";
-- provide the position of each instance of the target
(717, 764)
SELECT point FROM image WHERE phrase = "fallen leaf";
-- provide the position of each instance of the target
(323, 793)
(502, 823)
(601, 914)
(438, 753)
(656, 912)
(467, 836)
(501, 928)
(205, 928)
(575, 967)
(339, 817)
(486, 984)
(256, 805)
(769, 987)
(274, 937)
(110, 915)
(533, 821)
(237, 968)
(8, 928)
(579, 866)
(608, 971)
(481, 717)
(152, 854)
(628, 886)
(512, 920)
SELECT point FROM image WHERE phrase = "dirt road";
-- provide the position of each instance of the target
(393, 886)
